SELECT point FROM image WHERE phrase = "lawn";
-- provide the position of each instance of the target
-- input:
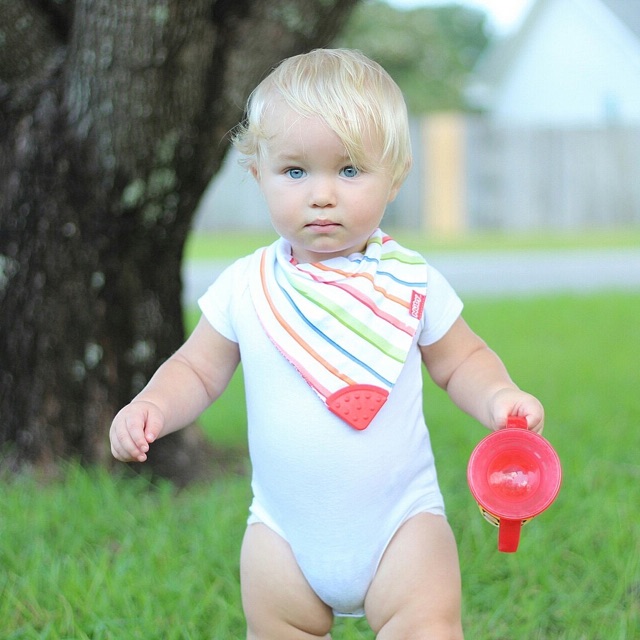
(225, 245)
(96, 557)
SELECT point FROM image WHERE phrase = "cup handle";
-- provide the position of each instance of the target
(509, 535)
(509, 531)
(516, 422)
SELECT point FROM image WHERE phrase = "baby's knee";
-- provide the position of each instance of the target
(433, 632)
(284, 632)
(417, 626)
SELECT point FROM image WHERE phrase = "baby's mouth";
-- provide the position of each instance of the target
(321, 225)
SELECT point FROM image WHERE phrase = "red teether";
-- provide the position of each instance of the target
(357, 404)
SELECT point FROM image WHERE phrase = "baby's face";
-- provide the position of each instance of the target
(318, 201)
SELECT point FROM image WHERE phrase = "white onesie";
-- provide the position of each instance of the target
(335, 494)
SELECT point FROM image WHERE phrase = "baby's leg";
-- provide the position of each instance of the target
(278, 602)
(416, 592)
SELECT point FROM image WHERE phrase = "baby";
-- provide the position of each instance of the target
(332, 323)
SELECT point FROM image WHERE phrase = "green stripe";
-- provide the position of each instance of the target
(401, 256)
(350, 322)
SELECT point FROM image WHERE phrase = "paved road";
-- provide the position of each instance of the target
(518, 273)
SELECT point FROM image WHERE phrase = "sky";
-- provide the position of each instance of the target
(505, 15)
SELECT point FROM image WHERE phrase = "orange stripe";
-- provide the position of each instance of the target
(369, 277)
(295, 336)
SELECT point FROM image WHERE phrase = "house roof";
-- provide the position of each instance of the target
(496, 62)
(627, 11)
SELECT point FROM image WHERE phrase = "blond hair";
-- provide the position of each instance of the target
(355, 96)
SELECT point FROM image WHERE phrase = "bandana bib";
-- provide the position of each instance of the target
(346, 324)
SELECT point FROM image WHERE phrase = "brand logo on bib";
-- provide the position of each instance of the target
(417, 305)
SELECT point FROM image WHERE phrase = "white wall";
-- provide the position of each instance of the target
(577, 67)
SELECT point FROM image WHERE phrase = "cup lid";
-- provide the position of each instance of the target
(514, 473)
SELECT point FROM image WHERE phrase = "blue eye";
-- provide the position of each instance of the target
(296, 173)
(349, 172)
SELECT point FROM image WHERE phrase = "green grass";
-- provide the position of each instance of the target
(97, 557)
(100, 557)
(226, 245)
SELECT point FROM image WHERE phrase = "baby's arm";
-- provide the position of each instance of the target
(188, 382)
(477, 381)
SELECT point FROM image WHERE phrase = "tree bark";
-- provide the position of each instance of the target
(113, 119)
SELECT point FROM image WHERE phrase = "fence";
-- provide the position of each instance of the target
(472, 174)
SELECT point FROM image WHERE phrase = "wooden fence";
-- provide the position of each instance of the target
(479, 175)
(472, 174)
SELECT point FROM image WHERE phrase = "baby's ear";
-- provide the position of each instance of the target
(254, 170)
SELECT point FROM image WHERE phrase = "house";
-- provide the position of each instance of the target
(558, 144)
(572, 63)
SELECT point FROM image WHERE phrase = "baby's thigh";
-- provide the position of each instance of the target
(417, 589)
(278, 602)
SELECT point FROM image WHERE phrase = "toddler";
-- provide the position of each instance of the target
(333, 323)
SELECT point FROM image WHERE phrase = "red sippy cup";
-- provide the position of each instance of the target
(514, 475)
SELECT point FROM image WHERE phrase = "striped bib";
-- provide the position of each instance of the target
(346, 324)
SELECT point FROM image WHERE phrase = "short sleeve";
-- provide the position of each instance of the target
(217, 303)
(442, 308)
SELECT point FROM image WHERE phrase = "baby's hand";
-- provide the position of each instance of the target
(134, 428)
(513, 402)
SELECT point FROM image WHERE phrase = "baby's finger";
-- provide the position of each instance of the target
(122, 452)
(124, 448)
(135, 428)
(127, 439)
(535, 421)
(153, 428)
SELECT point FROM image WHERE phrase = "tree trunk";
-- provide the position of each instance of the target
(113, 120)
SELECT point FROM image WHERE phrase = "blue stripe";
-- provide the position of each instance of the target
(389, 275)
(405, 282)
(366, 258)
(335, 344)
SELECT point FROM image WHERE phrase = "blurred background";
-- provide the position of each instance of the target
(525, 116)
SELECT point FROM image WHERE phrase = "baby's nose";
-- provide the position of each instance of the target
(323, 193)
